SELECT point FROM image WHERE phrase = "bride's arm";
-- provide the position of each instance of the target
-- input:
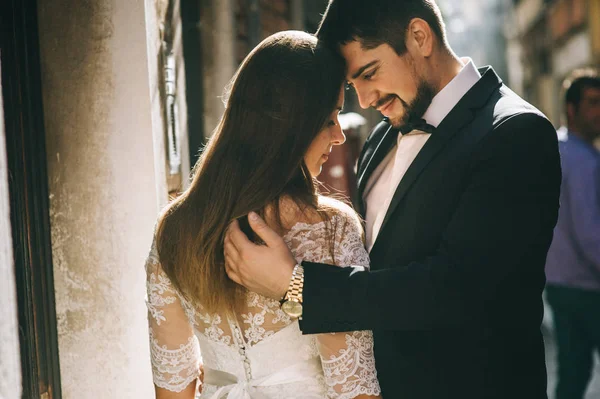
(347, 357)
(174, 348)
(187, 393)
(349, 365)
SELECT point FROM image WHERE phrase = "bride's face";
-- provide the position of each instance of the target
(330, 135)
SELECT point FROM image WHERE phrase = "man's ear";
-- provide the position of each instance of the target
(419, 37)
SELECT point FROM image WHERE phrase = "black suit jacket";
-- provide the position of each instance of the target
(457, 271)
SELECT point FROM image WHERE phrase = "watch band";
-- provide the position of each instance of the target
(291, 303)
(294, 292)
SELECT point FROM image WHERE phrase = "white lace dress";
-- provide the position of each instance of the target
(262, 354)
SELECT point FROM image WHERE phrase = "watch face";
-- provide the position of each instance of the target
(292, 308)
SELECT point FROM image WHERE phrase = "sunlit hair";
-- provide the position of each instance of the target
(280, 98)
(375, 22)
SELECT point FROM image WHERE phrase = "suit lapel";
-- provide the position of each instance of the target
(460, 116)
(375, 149)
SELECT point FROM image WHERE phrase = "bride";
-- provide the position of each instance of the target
(279, 125)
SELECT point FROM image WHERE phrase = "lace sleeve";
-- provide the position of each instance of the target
(347, 358)
(174, 348)
(348, 364)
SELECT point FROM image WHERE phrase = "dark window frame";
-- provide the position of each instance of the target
(28, 188)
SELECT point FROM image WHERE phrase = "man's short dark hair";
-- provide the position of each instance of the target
(577, 82)
(375, 22)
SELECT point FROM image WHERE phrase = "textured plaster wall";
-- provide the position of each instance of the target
(105, 189)
(10, 368)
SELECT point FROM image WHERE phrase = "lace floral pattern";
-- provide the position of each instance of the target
(174, 369)
(158, 286)
(175, 364)
(177, 327)
(352, 371)
(212, 330)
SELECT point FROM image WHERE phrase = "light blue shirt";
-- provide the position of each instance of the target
(574, 256)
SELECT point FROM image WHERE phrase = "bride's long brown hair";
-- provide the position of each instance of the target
(280, 98)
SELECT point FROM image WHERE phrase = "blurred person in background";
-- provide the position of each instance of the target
(573, 264)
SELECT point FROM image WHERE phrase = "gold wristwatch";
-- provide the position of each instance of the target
(291, 303)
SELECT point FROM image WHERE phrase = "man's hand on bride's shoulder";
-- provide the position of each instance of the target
(265, 269)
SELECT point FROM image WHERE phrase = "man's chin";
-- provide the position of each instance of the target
(396, 121)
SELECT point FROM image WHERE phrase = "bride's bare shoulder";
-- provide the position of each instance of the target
(336, 207)
(292, 212)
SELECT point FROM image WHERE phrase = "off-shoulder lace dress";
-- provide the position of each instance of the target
(262, 353)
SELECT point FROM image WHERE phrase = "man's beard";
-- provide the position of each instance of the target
(416, 108)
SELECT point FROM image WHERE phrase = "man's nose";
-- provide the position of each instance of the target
(365, 96)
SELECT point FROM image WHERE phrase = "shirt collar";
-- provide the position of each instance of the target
(450, 95)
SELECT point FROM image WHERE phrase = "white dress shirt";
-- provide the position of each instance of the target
(383, 182)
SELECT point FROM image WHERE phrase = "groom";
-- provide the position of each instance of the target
(460, 187)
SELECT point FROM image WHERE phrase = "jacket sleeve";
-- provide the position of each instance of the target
(507, 211)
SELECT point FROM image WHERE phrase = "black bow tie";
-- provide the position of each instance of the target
(417, 125)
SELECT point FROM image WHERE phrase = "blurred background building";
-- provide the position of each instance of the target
(105, 108)
(547, 39)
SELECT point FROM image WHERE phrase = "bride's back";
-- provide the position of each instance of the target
(310, 235)
(261, 346)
